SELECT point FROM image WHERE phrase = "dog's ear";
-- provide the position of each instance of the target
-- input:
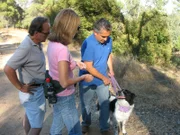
(129, 93)
(133, 95)
(126, 91)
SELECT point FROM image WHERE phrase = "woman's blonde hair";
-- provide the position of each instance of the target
(65, 27)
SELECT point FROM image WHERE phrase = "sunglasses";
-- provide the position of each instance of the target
(47, 33)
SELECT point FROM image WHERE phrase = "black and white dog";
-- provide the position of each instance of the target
(121, 108)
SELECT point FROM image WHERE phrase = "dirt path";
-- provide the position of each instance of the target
(11, 112)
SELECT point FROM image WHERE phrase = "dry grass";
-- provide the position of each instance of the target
(157, 103)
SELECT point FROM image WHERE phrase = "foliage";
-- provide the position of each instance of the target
(144, 31)
(33, 11)
(54, 6)
(173, 27)
(147, 33)
(155, 45)
(177, 44)
(92, 10)
(175, 60)
(11, 13)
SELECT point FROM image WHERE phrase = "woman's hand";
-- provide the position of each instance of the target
(88, 77)
(81, 65)
(111, 73)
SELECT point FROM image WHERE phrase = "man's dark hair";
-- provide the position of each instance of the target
(102, 24)
(37, 25)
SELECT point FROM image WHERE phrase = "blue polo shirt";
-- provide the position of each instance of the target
(98, 53)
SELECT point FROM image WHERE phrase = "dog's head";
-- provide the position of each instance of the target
(128, 95)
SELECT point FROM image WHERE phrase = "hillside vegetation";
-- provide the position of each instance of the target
(143, 30)
(157, 103)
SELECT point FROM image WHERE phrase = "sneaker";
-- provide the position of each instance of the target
(85, 129)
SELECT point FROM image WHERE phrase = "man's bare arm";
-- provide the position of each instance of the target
(12, 76)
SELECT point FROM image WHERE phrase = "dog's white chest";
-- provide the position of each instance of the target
(122, 110)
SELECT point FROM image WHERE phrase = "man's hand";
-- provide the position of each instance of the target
(28, 88)
(106, 81)
(111, 73)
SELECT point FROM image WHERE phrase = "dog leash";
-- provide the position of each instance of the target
(116, 87)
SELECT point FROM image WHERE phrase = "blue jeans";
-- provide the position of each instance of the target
(35, 106)
(86, 95)
(65, 113)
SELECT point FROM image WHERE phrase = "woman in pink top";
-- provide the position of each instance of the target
(61, 65)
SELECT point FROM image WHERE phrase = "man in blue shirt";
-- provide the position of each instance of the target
(96, 54)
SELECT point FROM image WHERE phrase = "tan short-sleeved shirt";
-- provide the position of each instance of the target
(30, 61)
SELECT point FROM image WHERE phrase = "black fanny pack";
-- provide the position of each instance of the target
(56, 87)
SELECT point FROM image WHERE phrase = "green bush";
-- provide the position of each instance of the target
(175, 60)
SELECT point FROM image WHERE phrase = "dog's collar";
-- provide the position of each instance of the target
(120, 97)
(124, 108)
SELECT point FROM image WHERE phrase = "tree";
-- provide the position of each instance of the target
(34, 10)
(11, 12)
(155, 46)
(54, 6)
(23, 3)
(139, 29)
(92, 10)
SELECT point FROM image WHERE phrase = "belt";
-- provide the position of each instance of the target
(38, 84)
